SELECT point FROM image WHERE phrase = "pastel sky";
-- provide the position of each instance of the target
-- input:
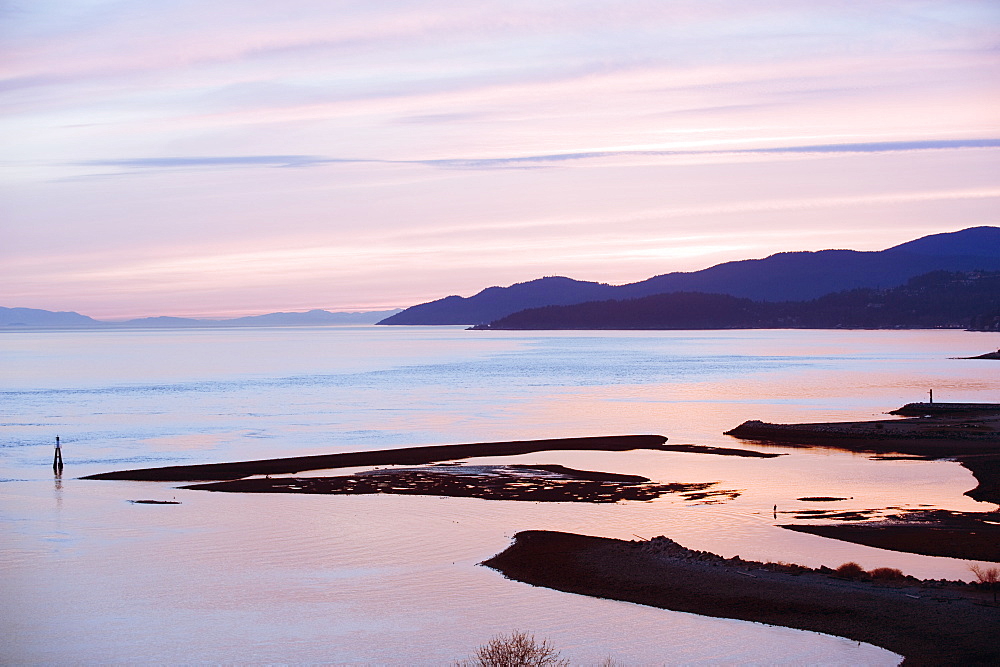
(229, 157)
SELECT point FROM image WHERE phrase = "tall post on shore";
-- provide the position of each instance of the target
(57, 462)
(931, 393)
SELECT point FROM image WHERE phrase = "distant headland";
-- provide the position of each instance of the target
(787, 276)
(35, 318)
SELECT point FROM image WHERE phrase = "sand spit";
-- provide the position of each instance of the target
(411, 456)
(933, 623)
(988, 355)
(401, 456)
(939, 436)
(545, 483)
(946, 409)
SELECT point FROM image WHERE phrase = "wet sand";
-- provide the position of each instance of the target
(927, 622)
(537, 483)
(410, 456)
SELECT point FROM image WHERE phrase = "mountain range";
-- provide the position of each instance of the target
(36, 318)
(787, 276)
(940, 299)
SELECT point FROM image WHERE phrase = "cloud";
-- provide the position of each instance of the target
(223, 161)
(881, 146)
(527, 161)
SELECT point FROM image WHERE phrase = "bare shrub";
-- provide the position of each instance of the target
(886, 574)
(850, 570)
(518, 649)
(988, 576)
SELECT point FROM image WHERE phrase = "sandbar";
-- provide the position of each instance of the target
(410, 456)
(932, 623)
(938, 436)
(399, 456)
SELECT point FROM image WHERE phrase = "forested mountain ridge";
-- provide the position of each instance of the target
(940, 299)
(789, 276)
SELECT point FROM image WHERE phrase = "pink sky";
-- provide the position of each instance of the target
(218, 157)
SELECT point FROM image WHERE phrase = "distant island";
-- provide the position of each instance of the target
(787, 276)
(941, 299)
(35, 318)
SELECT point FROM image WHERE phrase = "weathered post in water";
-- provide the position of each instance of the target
(57, 462)
(931, 394)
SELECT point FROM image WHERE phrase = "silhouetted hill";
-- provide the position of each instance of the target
(789, 276)
(934, 300)
(34, 317)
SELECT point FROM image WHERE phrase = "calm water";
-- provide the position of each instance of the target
(88, 577)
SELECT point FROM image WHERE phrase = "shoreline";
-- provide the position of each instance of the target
(926, 622)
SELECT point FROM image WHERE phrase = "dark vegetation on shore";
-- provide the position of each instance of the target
(941, 299)
(928, 622)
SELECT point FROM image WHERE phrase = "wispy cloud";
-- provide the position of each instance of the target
(527, 161)
(214, 161)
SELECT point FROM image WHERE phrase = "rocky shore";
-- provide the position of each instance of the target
(928, 622)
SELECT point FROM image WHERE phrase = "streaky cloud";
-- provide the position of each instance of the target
(869, 147)
(216, 161)
(527, 161)
(881, 146)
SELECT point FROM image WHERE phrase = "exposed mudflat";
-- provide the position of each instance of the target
(539, 483)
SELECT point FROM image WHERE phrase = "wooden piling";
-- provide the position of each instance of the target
(57, 460)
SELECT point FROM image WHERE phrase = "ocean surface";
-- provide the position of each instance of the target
(88, 577)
